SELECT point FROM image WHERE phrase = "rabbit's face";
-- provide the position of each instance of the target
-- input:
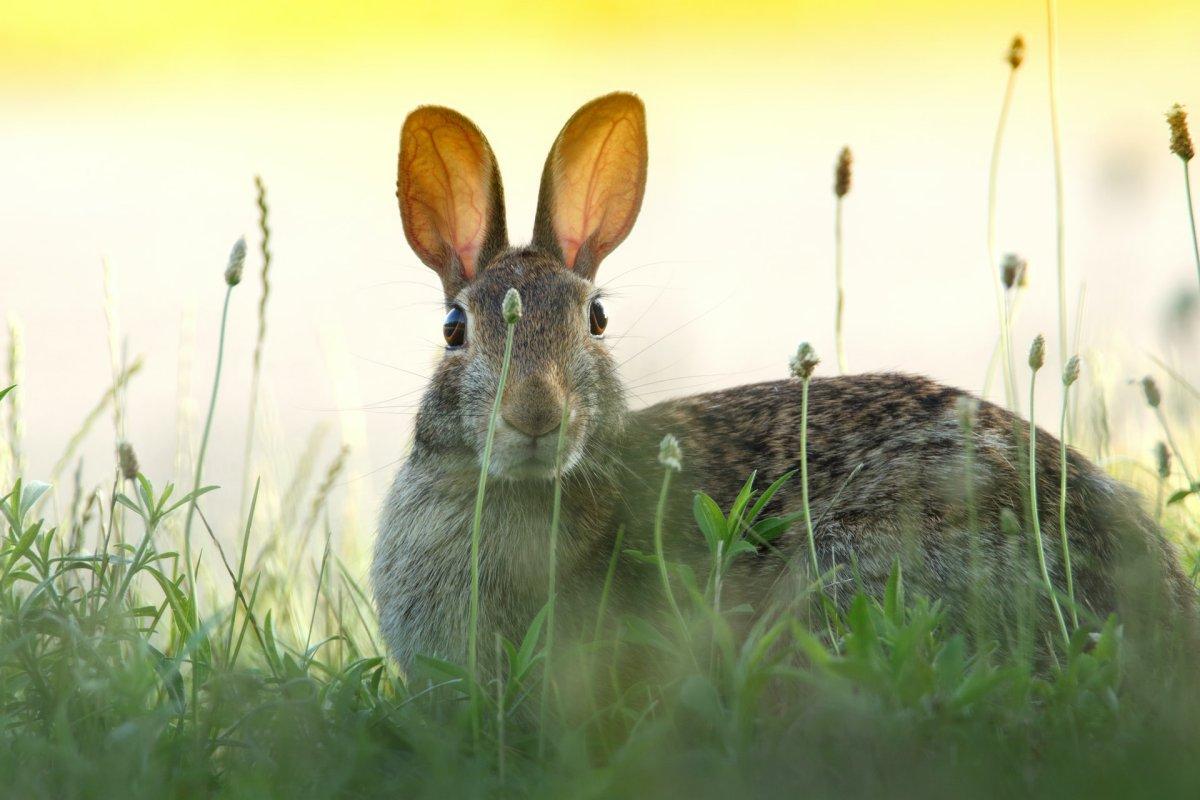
(452, 206)
(560, 364)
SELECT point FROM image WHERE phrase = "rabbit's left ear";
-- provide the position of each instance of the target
(451, 198)
(593, 182)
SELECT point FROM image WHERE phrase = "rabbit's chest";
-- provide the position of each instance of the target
(422, 565)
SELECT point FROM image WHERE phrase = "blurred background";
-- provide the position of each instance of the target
(132, 131)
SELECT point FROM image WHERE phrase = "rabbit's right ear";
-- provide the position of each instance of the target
(593, 182)
(451, 199)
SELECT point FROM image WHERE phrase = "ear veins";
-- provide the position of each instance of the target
(443, 185)
(603, 194)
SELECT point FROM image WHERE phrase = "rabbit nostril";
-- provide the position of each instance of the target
(531, 422)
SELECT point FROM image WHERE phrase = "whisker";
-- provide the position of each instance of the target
(691, 321)
(391, 366)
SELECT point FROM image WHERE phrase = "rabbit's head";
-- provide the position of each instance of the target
(452, 205)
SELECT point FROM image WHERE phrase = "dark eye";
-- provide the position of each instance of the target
(597, 318)
(455, 327)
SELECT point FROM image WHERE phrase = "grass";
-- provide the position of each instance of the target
(121, 677)
(134, 665)
(1016, 55)
(1037, 357)
(510, 317)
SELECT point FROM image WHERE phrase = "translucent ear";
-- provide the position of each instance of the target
(451, 198)
(593, 182)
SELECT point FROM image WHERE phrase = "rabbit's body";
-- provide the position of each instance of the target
(888, 471)
(891, 474)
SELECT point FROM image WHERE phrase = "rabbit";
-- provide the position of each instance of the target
(888, 466)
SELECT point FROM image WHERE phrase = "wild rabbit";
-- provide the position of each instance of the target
(888, 466)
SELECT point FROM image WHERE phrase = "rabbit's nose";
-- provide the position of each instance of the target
(533, 407)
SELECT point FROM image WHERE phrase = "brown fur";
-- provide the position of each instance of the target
(888, 476)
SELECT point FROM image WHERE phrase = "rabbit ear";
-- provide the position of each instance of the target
(451, 199)
(593, 182)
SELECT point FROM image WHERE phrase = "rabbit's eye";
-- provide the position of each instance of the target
(597, 318)
(455, 327)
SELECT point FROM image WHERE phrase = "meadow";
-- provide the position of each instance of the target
(148, 650)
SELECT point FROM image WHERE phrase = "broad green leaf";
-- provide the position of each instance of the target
(1180, 496)
(710, 519)
(766, 496)
(532, 634)
(30, 494)
(739, 503)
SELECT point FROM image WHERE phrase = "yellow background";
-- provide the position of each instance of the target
(131, 131)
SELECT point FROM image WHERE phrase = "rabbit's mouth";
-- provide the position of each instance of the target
(519, 456)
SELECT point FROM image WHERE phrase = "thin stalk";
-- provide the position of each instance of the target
(838, 251)
(256, 366)
(1012, 311)
(552, 591)
(241, 570)
(717, 578)
(1033, 506)
(1059, 224)
(1187, 188)
(1062, 507)
(808, 520)
(1162, 421)
(968, 430)
(500, 747)
(136, 564)
(1010, 314)
(212, 405)
(476, 526)
(312, 620)
(659, 512)
(601, 610)
(992, 264)
(609, 574)
(717, 583)
(808, 523)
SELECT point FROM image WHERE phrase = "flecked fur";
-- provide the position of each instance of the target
(887, 477)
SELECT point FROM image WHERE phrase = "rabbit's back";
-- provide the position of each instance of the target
(894, 472)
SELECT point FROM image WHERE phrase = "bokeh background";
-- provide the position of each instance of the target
(130, 132)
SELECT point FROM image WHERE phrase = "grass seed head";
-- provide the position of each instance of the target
(1071, 371)
(669, 454)
(1181, 140)
(237, 260)
(1016, 52)
(1014, 271)
(843, 172)
(127, 459)
(804, 362)
(1163, 458)
(512, 306)
(1037, 353)
(1150, 388)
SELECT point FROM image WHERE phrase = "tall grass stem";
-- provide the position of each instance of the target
(1062, 506)
(808, 520)
(1060, 247)
(1033, 506)
(992, 264)
(476, 530)
(659, 514)
(1187, 188)
(552, 589)
(199, 471)
(259, 340)
(839, 258)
